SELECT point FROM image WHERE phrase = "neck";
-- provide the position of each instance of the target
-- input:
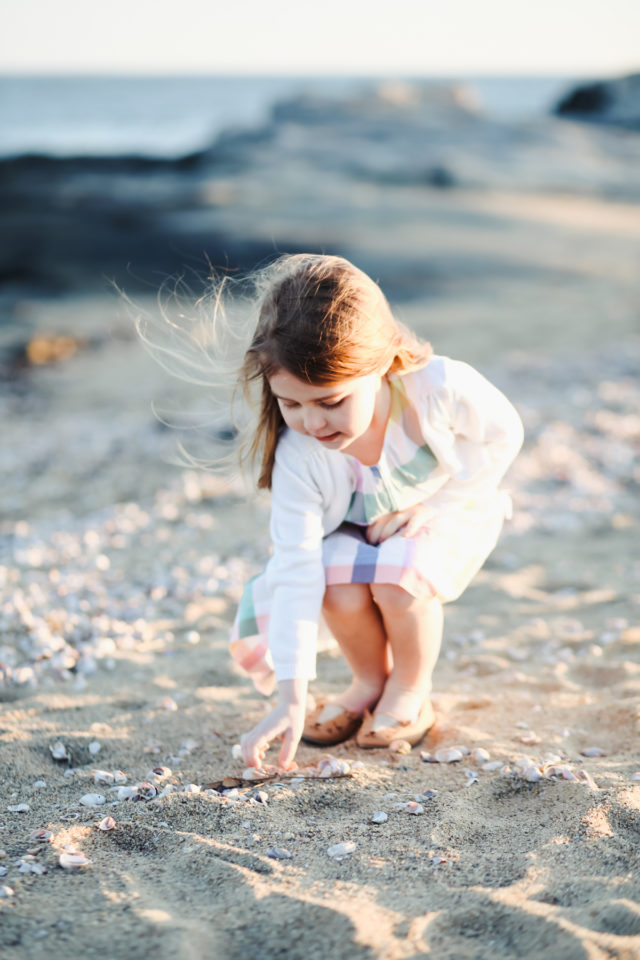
(368, 447)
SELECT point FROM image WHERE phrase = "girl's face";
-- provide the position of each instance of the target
(335, 414)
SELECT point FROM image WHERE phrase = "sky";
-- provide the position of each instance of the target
(361, 37)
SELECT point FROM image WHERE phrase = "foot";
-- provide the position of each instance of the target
(335, 720)
(382, 729)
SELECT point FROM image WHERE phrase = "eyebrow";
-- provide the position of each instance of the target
(329, 396)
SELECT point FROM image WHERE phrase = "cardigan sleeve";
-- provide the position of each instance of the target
(477, 432)
(295, 572)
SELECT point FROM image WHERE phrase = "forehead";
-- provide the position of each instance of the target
(286, 386)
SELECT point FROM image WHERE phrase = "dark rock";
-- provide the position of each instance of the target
(613, 102)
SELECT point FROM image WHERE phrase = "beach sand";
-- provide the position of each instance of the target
(123, 571)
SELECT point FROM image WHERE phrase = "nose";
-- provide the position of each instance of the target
(314, 420)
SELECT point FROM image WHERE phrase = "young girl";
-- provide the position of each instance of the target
(384, 463)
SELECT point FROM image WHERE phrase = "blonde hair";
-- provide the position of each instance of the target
(319, 318)
(322, 320)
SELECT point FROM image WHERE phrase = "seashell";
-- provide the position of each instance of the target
(5, 892)
(522, 725)
(344, 849)
(158, 774)
(259, 773)
(550, 759)
(379, 817)
(427, 757)
(93, 799)
(425, 795)
(3, 871)
(19, 808)
(532, 774)
(119, 776)
(465, 751)
(125, 793)
(59, 751)
(167, 703)
(45, 836)
(636, 777)
(436, 861)
(261, 796)
(402, 747)
(472, 777)
(187, 746)
(413, 807)
(530, 739)
(191, 788)
(236, 751)
(107, 823)
(480, 754)
(447, 755)
(103, 777)
(95, 747)
(593, 752)
(492, 765)
(73, 861)
(144, 791)
(232, 794)
(564, 772)
(585, 777)
(39, 784)
(70, 772)
(277, 853)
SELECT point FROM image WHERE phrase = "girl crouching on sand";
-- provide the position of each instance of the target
(384, 463)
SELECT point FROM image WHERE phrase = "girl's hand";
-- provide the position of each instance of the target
(286, 721)
(407, 522)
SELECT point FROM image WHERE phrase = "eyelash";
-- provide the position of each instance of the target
(327, 406)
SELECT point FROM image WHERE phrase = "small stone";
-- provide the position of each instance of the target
(636, 777)
(103, 777)
(379, 817)
(492, 765)
(530, 739)
(93, 799)
(277, 853)
(5, 892)
(167, 703)
(480, 754)
(59, 751)
(95, 747)
(39, 784)
(19, 808)
(593, 752)
(236, 751)
(340, 850)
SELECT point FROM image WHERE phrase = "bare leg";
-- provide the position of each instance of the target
(414, 629)
(356, 623)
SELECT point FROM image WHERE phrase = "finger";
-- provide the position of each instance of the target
(288, 750)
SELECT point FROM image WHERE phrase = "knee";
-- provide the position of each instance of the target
(394, 600)
(347, 598)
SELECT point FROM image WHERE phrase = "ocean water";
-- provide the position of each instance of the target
(174, 116)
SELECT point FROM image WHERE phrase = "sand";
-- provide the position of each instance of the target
(540, 658)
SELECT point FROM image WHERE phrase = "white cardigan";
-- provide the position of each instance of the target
(473, 432)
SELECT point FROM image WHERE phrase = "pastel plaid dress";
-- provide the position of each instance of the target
(440, 560)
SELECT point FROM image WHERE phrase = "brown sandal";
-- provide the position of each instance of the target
(332, 731)
(401, 730)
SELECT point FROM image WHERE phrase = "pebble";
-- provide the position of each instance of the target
(344, 849)
(45, 836)
(168, 703)
(636, 777)
(277, 853)
(19, 808)
(492, 765)
(95, 747)
(5, 892)
(480, 754)
(3, 871)
(39, 784)
(379, 817)
(59, 751)
(447, 755)
(93, 799)
(593, 752)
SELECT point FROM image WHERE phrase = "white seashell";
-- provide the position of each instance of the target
(236, 751)
(425, 795)
(550, 759)
(480, 754)
(107, 823)
(73, 861)
(277, 853)
(401, 747)
(472, 777)
(465, 751)
(45, 836)
(103, 777)
(522, 725)
(565, 772)
(261, 796)
(95, 747)
(413, 807)
(379, 817)
(585, 777)
(530, 739)
(125, 793)
(168, 703)
(5, 892)
(158, 774)
(30, 866)
(187, 746)
(532, 774)
(19, 808)
(144, 791)
(93, 799)
(191, 788)
(344, 849)
(39, 784)
(427, 757)
(436, 861)
(492, 765)
(59, 751)
(3, 871)
(593, 752)
(447, 755)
